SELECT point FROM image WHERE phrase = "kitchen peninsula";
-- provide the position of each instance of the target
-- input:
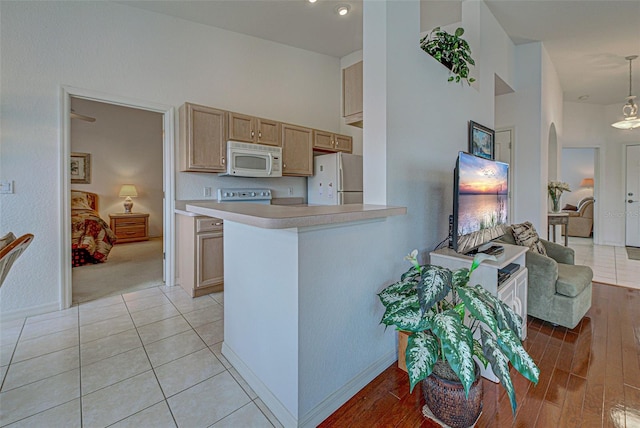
(301, 317)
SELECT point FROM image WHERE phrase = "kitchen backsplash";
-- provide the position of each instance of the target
(191, 185)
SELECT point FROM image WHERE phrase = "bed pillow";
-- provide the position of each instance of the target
(525, 234)
(79, 201)
(7, 239)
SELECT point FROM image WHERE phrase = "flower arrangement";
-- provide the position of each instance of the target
(442, 312)
(555, 189)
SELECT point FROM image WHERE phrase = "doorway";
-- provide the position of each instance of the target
(124, 145)
(504, 145)
(580, 169)
(632, 197)
(164, 222)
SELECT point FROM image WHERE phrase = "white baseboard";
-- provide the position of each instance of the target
(29, 312)
(271, 401)
(333, 402)
(323, 410)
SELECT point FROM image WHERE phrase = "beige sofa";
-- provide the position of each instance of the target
(581, 221)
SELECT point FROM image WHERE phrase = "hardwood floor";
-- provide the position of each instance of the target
(590, 377)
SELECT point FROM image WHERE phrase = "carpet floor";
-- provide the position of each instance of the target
(633, 253)
(130, 267)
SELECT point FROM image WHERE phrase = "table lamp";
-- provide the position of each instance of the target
(586, 182)
(128, 191)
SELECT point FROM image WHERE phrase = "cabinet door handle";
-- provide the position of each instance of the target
(336, 143)
(259, 134)
(284, 165)
(252, 134)
(223, 161)
(216, 224)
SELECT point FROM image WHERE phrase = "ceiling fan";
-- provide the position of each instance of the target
(75, 115)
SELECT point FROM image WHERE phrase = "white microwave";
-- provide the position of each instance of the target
(253, 160)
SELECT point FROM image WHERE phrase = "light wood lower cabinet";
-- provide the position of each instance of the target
(200, 254)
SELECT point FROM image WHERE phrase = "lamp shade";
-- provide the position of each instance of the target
(586, 182)
(128, 190)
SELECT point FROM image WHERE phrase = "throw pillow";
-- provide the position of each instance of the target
(525, 234)
(7, 239)
(570, 207)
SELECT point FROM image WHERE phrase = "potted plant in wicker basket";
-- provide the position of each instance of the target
(441, 311)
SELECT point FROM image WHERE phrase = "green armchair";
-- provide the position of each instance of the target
(559, 290)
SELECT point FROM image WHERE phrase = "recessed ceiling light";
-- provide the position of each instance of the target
(312, 1)
(342, 9)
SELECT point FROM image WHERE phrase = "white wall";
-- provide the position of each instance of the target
(110, 48)
(413, 142)
(533, 110)
(587, 125)
(577, 164)
(522, 111)
(126, 148)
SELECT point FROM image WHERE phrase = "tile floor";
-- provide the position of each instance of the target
(150, 358)
(610, 264)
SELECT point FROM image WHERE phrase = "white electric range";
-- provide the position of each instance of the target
(252, 195)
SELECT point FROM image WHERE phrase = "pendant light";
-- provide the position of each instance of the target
(630, 109)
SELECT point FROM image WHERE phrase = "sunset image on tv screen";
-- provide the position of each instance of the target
(482, 193)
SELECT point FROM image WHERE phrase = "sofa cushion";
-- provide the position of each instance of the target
(573, 279)
(525, 234)
(569, 207)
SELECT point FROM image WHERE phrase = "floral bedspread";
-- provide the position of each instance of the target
(91, 233)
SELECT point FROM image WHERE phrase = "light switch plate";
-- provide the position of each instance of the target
(6, 186)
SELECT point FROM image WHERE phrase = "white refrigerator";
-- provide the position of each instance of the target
(337, 180)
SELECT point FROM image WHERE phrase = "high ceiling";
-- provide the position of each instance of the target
(586, 40)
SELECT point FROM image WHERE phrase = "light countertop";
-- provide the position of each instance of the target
(284, 217)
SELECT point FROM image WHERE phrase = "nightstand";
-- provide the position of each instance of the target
(131, 227)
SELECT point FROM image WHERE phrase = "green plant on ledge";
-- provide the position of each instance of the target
(442, 312)
(451, 50)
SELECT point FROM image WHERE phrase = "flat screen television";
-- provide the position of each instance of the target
(480, 202)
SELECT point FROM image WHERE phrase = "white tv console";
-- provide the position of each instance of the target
(512, 291)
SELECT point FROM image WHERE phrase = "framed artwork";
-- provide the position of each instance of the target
(481, 140)
(81, 168)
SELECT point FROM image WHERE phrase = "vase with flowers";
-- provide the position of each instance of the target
(555, 189)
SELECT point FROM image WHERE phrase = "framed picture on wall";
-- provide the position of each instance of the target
(81, 168)
(481, 140)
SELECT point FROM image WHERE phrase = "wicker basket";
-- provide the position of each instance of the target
(447, 401)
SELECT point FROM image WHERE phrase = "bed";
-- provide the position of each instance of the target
(91, 237)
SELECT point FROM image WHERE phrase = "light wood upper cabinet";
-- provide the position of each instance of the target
(323, 140)
(268, 132)
(203, 138)
(297, 150)
(253, 129)
(343, 143)
(328, 142)
(352, 94)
